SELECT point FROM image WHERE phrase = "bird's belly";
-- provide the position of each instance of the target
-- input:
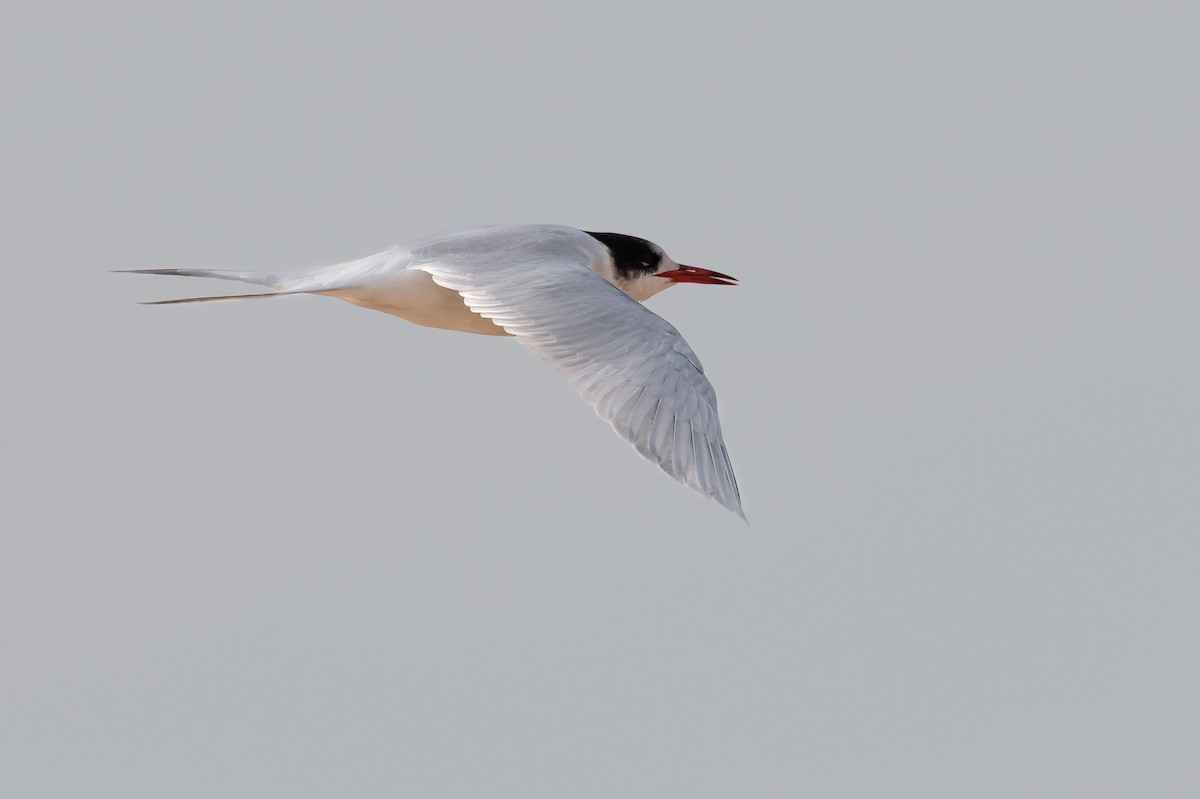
(414, 296)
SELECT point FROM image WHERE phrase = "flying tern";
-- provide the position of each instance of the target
(575, 298)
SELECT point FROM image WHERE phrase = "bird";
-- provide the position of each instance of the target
(573, 297)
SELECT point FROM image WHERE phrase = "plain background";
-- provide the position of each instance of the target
(296, 549)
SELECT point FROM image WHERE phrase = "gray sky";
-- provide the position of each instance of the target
(285, 549)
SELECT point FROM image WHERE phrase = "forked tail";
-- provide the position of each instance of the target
(325, 280)
(276, 282)
(223, 297)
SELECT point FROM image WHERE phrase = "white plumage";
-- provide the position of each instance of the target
(572, 297)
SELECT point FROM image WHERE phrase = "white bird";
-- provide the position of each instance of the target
(574, 298)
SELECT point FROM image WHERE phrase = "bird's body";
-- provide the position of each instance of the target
(574, 298)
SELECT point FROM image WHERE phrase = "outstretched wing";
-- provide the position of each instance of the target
(630, 364)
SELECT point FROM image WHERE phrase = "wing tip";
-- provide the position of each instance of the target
(732, 504)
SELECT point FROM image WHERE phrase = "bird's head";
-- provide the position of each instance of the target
(642, 269)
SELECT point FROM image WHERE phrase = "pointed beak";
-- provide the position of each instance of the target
(694, 274)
